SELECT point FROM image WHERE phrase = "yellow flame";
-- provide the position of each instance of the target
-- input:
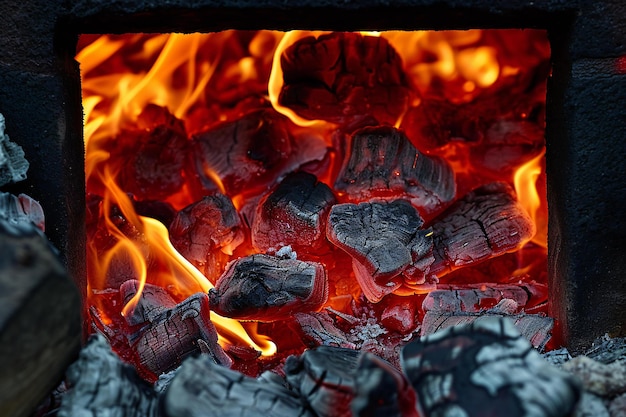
(525, 181)
(276, 79)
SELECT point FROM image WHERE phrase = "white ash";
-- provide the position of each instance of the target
(164, 380)
(617, 408)
(557, 357)
(599, 378)
(13, 165)
(368, 328)
(286, 252)
(591, 405)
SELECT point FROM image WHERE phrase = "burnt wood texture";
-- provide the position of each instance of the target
(40, 320)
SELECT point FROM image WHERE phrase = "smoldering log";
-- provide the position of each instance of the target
(203, 389)
(164, 335)
(40, 318)
(267, 288)
(325, 378)
(206, 233)
(381, 390)
(339, 77)
(101, 384)
(382, 161)
(13, 165)
(294, 214)
(485, 368)
(382, 238)
(21, 209)
(485, 223)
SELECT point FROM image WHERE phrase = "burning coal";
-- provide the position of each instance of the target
(317, 184)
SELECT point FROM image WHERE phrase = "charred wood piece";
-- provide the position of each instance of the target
(203, 389)
(381, 390)
(267, 288)
(248, 154)
(21, 209)
(207, 232)
(382, 161)
(40, 323)
(381, 237)
(485, 368)
(342, 76)
(486, 223)
(476, 298)
(151, 156)
(294, 214)
(154, 301)
(161, 337)
(319, 329)
(535, 328)
(101, 384)
(13, 165)
(325, 378)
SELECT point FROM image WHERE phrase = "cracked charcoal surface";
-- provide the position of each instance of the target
(485, 223)
(486, 368)
(293, 214)
(102, 385)
(384, 239)
(381, 390)
(267, 288)
(168, 335)
(13, 165)
(376, 234)
(382, 159)
(203, 389)
(325, 378)
(206, 232)
(341, 76)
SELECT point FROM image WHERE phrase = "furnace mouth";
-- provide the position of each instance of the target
(343, 178)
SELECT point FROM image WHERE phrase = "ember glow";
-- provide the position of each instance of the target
(180, 128)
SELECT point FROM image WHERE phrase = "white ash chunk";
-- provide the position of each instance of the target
(13, 165)
(599, 378)
(486, 368)
(102, 385)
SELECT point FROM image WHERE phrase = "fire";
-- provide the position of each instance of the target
(526, 184)
(202, 82)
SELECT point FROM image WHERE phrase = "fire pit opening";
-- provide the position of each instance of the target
(254, 193)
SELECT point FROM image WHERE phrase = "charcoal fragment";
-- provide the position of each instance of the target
(485, 368)
(206, 233)
(342, 76)
(383, 162)
(325, 378)
(384, 239)
(294, 214)
(13, 165)
(266, 288)
(485, 223)
(203, 389)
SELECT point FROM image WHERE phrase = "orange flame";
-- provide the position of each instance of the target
(525, 180)
(201, 78)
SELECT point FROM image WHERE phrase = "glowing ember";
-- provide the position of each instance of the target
(202, 134)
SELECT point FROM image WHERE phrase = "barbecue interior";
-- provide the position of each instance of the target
(317, 186)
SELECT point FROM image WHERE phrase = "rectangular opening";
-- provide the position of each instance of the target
(202, 133)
